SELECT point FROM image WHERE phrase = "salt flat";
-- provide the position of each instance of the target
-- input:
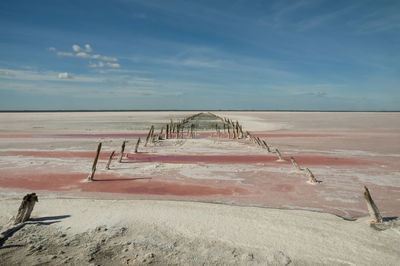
(52, 153)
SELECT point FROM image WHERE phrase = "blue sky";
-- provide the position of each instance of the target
(144, 54)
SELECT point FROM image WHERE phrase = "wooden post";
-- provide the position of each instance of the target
(161, 133)
(122, 151)
(137, 145)
(91, 175)
(295, 164)
(229, 132)
(266, 146)
(167, 132)
(279, 155)
(148, 135)
(372, 208)
(192, 131)
(152, 133)
(259, 141)
(241, 131)
(312, 178)
(109, 160)
(26, 208)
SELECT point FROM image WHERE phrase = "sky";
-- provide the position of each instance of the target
(241, 55)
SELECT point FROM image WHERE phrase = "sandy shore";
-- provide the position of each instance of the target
(132, 232)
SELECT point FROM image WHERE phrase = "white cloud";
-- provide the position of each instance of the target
(109, 58)
(83, 54)
(64, 75)
(34, 75)
(99, 64)
(114, 65)
(6, 74)
(76, 48)
(79, 52)
(65, 54)
(52, 49)
(88, 48)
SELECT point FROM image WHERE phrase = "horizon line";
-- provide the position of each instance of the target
(189, 110)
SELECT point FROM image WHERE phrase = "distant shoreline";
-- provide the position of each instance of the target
(196, 110)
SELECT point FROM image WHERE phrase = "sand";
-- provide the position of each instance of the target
(205, 200)
(192, 233)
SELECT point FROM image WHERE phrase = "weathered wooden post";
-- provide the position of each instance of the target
(295, 164)
(152, 133)
(161, 133)
(122, 151)
(91, 175)
(259, 141)
(279, 155)
(266, 146)
(241, 131)
(311, 177)
(137, 145)
(372, 208)
(148, 135)
(234, 131)
(26, 208)
(109, 160)
(192, 131)
(167, 132)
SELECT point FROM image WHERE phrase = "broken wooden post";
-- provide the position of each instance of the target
(137, 145)
(295, 164)
(26, 208)
(109, 160)
(91, 175)
(279, 155)
(122, 151)
(148, 135)
(372, 208)
(312, 178)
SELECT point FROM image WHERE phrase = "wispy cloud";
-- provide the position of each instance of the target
(64, 75)
(31, 75)
(383, 19)
(86, 53)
